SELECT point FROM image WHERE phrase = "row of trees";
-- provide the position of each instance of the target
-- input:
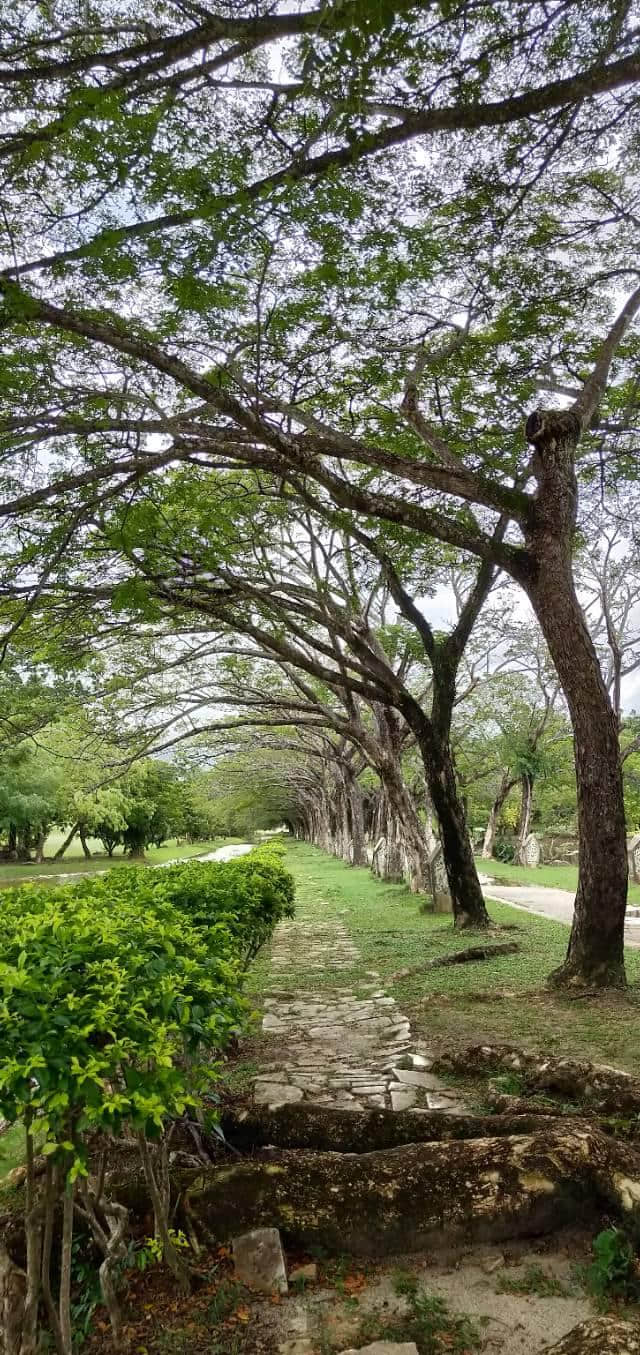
(280, 291)
(62, 778)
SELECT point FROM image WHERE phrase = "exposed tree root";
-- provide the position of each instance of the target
(601, 1336)
(606, 1089)
(329, 1129)
(474, 953)
(411, 1197)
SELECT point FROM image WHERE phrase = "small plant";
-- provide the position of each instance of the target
(509, 1084)
(428, 1323)
(151, 1251)
(535, 1280)
(614, 1273)
(223, 1302)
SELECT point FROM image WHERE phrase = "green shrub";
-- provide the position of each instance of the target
(614, 1273)
(114, 996)
(237, 903)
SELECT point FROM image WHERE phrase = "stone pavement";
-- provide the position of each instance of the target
(346, 1048)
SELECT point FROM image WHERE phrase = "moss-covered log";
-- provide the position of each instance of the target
(330, 1129)
(414, 1196)
(606, 1089)
(602, 1336)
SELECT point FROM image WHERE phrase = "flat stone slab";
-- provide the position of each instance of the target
(259, 1262)
(276, 1093)
(385, 1348)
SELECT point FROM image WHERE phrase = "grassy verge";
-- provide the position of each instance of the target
(74, 863)
(551, 877)
(464, 1003)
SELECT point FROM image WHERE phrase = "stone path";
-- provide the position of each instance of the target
(343, 1048)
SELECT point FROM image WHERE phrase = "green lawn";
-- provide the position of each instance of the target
(462, 1003)
(73, 861)
(553, 877)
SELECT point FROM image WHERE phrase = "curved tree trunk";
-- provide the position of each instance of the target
(67, 842)
(466, 893)
(506, 785)
(595, 956)
(83, 840)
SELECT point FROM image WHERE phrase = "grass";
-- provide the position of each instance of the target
(534, 1280)
(428, 1322)
(462, 1003)
(549, 877)
(73, 863)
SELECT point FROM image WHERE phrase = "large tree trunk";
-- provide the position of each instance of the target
(67, 842)
(595, 957)
(507, 783)
(83, 840)
(524, 821)
(466, 892)
(39, 852)
(356, 818)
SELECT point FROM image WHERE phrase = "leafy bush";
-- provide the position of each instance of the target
(237, 903)
(504, 849)
(614, 1273)
(114, 995)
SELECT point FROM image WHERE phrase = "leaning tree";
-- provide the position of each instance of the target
(389, 239)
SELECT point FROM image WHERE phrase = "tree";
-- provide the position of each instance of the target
(290, 299)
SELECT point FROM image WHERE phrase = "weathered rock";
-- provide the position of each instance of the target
(601, 1336)
(304, 1274)
(259, 1261)
(402, 1097)
(376, 1203)
(414, 1077)
(276, 1093)
(385, 1348)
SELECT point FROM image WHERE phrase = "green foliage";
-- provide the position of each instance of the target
(428, 1322)
(112, 989)
(614, 1272)
(534, 1280)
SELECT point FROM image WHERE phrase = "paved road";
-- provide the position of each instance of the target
(228, 853)
(553, 903)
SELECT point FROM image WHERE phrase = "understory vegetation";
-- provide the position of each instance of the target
(119, 996)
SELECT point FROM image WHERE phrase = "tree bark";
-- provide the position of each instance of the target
(506, 785)
(599, 1336)
(83, 840)
(356, 815)
(524, 821)
(426, 1194)
(330, 1129)
(595, 955)
(67, 842)
(466, 893)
